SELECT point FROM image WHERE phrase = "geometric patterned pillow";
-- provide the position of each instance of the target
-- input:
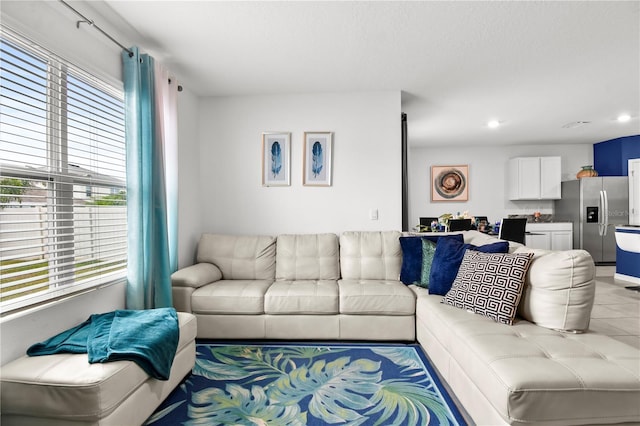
(490, 284)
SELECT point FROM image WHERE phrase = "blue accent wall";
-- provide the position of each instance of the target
(610, 158)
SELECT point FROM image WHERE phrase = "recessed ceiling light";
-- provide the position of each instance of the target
(623, 118)
(493, 124)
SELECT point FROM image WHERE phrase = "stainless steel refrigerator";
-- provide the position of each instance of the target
(595, 205)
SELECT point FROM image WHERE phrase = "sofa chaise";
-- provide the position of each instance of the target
(546, 368)
(65, 390)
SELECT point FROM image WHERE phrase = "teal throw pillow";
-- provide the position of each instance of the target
(428, 250)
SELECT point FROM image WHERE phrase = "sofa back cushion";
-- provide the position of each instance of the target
(370, 255)
(307, 257)
(559, 289)
(239, 257)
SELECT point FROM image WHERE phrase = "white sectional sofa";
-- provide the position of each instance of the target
(314, 286)
(545, 369)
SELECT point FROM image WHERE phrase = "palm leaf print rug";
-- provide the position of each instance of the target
(304, 384)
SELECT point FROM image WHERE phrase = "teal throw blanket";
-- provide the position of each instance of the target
(149, 338)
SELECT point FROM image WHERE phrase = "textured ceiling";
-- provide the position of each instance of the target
(534, 66)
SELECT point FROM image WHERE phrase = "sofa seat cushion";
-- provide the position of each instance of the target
(231, 297)
(66, 386)
(314, 297)
(531, 374)
(369, 297)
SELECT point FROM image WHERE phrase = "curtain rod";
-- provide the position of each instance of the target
(86, 20)
(90, 22)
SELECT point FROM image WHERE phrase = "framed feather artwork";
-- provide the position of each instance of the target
(450, 183)
(276, 159)
(317, 159)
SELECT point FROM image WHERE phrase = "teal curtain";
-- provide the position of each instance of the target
(149, 253)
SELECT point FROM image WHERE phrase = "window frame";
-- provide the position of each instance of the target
(60, 177)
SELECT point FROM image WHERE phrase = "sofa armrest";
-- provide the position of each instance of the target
(195, 276)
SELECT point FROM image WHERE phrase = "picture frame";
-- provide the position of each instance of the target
(450, 183)
(317, 160)
(276, 159)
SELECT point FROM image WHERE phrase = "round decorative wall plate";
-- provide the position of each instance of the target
(450, 183)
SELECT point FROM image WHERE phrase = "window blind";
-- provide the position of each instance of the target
(63, 211)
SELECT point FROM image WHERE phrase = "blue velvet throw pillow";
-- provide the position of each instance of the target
(447, 259)
(411, 270)
(411, 259)
(499, 247)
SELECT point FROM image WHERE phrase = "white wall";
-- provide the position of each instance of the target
(19, 331)
(189, 198)
(487, 178)
(366, 163)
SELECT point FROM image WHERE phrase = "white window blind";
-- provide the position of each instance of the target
(63, 211)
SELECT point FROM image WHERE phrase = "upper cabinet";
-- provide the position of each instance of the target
(534, 178)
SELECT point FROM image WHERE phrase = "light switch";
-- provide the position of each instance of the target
(373, 214)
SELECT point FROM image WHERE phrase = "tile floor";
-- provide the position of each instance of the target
(616, 310)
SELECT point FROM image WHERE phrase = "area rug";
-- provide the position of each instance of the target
(304, 384)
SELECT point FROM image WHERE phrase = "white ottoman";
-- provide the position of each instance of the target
(65, 389)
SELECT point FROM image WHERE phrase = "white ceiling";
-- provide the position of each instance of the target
(534, 66)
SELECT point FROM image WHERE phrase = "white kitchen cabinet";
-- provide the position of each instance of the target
(539, 240)
(561, 240)
(550, 236)
(534, 178)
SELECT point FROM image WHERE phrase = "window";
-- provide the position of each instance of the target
(63, 217)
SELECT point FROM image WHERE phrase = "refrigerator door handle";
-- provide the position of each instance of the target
(601, 214)
(605, 213)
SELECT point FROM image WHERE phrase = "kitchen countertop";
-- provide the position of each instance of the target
(544, 218)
